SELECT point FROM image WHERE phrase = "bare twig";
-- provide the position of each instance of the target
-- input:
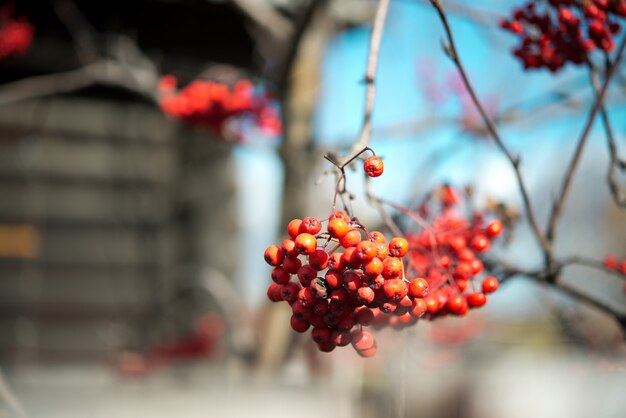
(557, 206)
(615, 162)
(362, 142)
(370, 75)
(541, 277)
(451, 51)
(590, 262)
(619, 316)
(107, 72)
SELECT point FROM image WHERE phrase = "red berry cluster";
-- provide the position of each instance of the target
(15, 37)
(342, 278)
(215, 105)
(556, 32)
(447, 255)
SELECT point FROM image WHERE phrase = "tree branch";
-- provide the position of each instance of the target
(589, 262)
(618, 196)
(370, 78)
(107, 72)
(557, 207)
(451, 51)
(542, 278)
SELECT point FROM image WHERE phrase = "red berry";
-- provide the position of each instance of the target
(306, 273)
(373, 166)
(480, 243)
(289, 248)
(274, 292)
(364, 316)
(365, 295)
(299, 325)
(338, 227)
(292, 264)
(395, 289)
(351, 238)
(419, 308)
(289, 292)
(376, 236)
(392, 268)
(293, 229)
(307, 297)
(373, 268)
(280, 276)
(476, 299)
(494, 228)
(305, 243)
(319, 259)
(398, 247)
(274, 255)
(310, 226)
(490, 284)
(321, 335)
(418, 288)
(365, 251)
(334, 279)
(341, 215)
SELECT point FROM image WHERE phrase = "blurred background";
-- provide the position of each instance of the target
(132, 280)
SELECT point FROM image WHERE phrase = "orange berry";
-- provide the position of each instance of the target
(392, 268)
(305, 243)
(274, 255)
(490, 284)
(418, 288)
(351, 239)
(365, 251)
(293, 228)
(310, 225)
(338, 227)
(373, 166)
(398, 247)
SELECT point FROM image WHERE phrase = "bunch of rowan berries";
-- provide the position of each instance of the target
(16, 35)
(448, 255)
(215, 105)
(339, 278)
(556, 32)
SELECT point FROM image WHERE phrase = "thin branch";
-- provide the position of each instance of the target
(108, 72)
(370, 77)
(451, 51)
(542, 278)
(362, 143)
(590, 262)
(557, 207)
(618, 196)
(584, 297)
